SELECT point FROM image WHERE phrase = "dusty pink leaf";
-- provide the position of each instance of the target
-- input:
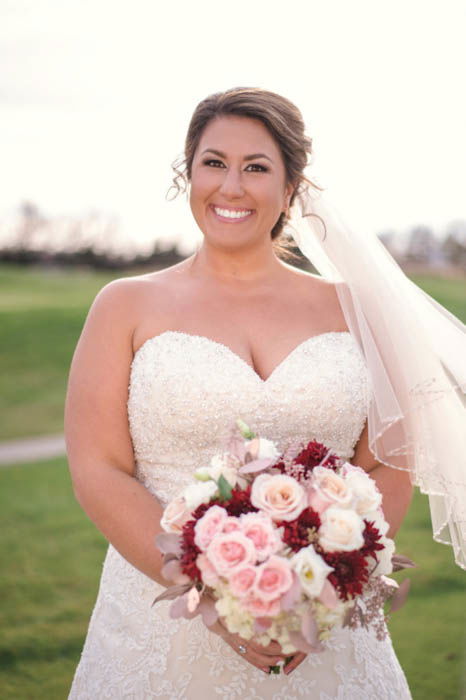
(172, 592)
(328, 595)
(300, 643)
(237, 448)
(171, 571)
(309, 628)
(400, 595)
(208, 611)
(256, 465)
(169, 543)
(179, 607)
(292, 595)
(399, 561)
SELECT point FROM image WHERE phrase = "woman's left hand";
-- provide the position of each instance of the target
(295, 661)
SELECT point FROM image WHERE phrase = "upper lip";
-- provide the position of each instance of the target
(228, 206)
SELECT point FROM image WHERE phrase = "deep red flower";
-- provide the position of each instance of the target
(350, 571)
(189, 548)
(371, 540)
(313, 454)
(296, 532)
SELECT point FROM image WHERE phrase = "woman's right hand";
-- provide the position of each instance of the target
(259, 656)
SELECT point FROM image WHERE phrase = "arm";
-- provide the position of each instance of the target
(98, 441)
(394, 484)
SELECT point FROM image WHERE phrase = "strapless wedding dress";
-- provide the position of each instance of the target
(185, 393)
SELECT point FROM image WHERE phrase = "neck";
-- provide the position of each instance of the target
(240, 267)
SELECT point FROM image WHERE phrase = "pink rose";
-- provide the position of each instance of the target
(175, 515)
(280, 496)
(208, 526)
(274, 577)
(208, 573)
(241, 581)
(328, 489)
(230, 551)
(261, 608)
(259, 528)
(230, 524)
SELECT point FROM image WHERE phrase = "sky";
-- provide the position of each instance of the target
(96, 97)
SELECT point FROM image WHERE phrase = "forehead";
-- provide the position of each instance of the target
(238, 135)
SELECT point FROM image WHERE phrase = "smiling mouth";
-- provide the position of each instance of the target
(231, 215)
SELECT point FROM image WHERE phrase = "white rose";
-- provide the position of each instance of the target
(202, 492)
(367, 497)
(384, 558)
(341, 530)
(311, 569)
(263, 448)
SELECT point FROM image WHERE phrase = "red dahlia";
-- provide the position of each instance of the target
(189, 548)
(313, 454)
(350, 572)
(371, 540)
(296, 532)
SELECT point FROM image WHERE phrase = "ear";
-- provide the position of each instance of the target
(289, 189)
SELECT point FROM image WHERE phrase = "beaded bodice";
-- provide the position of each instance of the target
(186, 392)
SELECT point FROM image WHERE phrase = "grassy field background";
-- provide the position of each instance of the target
(52, 554)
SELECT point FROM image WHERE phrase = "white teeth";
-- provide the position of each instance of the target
(232, 214)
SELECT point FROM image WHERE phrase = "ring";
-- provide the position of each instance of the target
(242, 649)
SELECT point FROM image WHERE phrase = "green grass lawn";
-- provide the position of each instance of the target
(42, 312)
(52, 556)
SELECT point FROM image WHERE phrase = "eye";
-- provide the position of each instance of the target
(210, 161)
(263, 169)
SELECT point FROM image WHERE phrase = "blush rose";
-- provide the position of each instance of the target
(208, 526)
(230, 551)
(280, 496)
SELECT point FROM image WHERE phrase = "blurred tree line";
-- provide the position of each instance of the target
(92, 241)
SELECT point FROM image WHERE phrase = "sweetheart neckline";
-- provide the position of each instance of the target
(235, 355)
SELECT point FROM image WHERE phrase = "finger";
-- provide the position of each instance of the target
(272, 649)
(256, 656)
(296, 660)
(254, 659)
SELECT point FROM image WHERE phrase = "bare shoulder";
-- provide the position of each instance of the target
(125, 298)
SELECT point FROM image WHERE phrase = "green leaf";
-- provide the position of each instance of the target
(224, 488)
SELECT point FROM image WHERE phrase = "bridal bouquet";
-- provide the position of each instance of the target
(281, 546)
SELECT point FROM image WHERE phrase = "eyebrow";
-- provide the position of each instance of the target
(252, 156)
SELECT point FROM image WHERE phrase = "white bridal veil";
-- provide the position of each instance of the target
(415, 351)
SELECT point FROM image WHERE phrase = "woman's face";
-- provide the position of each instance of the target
(238, 181)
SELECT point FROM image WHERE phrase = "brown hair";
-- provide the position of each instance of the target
(284, 122)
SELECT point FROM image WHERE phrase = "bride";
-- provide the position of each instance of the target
(165, 364)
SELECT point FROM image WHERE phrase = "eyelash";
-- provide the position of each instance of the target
(257, 165)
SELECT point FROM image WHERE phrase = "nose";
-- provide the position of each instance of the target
(231, 185)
